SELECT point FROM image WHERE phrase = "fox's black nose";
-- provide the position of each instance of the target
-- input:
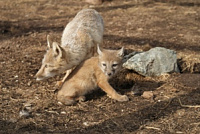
(109, 74)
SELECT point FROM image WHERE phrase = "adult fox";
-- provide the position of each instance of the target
(92, 73)
(78, 43)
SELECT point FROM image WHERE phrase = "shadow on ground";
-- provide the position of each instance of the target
(119, 124)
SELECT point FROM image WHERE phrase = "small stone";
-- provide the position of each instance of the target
(63, 112)
(28, 106)
(180, 113)
(140, 29)
(94, 2)
(60, 103)
(13, 120)
(180, 35)
(85, 123)
(148, 95)
(174, 90)
(29, 83)
(24, 113)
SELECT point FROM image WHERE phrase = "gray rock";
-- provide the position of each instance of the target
(126, 57)
(154, 62)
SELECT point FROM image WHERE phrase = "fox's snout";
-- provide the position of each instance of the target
(38, 75)
(45, 73)
(109, 73)
(38, 78)
(41, 75)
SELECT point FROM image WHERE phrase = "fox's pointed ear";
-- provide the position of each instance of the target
(99, 50)
(121, 52)
(49, 41)
(57, 50)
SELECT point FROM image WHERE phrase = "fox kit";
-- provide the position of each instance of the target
(92, 73)
(78, 43)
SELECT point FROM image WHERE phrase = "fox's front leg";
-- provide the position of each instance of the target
(59, 83)
(106, 87)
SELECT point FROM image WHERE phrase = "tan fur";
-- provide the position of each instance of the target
(92, 73)
(78, 43)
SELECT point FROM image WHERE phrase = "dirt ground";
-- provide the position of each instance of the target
(138, 25)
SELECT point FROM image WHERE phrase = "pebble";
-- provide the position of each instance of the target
(85, 124)
(148, 95)
(60, 103)
(24, 113)
(94, 2)
(63, 112)
(29, 83)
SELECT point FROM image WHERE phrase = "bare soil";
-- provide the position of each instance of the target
(136, 24)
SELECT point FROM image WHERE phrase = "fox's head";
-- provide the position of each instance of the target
(110, 61)
(54, 61)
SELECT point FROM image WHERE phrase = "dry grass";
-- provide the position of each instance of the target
(189, 61)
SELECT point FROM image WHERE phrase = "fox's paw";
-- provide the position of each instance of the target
(123, 98)
(69, 102)
(81, 98)
(59, 83)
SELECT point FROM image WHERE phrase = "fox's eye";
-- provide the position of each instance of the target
(114, 65)
(104, 64)
(48, 66)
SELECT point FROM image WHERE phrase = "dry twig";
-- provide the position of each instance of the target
(167, 104)
(190, 106)
(155, 128)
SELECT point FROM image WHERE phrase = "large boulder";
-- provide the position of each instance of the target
(154, 62)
